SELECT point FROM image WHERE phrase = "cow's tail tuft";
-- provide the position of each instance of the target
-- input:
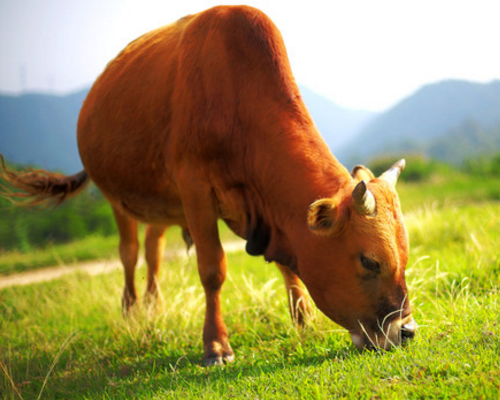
(38, 187)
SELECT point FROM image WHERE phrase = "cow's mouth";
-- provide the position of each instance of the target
(398, 332)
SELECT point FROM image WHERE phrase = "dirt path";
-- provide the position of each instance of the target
(92, 267)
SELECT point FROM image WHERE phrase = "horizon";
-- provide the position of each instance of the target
(43, 92)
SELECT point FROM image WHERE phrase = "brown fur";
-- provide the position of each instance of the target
(201, 120)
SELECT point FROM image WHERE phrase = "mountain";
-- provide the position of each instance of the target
(337, 125)
(468, 140)
(40, 129)
(423, 120)
(449, 120)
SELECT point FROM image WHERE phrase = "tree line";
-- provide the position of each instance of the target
(24, 229)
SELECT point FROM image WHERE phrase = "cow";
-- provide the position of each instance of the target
(202, 120)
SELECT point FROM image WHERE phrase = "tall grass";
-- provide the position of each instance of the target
(67, 339)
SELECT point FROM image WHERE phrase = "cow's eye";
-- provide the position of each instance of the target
(370, 264)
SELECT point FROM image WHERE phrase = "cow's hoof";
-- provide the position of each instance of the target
(218, 360)
(153, 302)
(128, 306)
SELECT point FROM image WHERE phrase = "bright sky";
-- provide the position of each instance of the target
(366, 54)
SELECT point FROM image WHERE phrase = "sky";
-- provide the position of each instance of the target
(363, 54)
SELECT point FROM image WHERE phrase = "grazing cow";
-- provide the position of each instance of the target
(202, 120)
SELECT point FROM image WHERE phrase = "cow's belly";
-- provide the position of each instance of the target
(144, 197)
(161, 209)
(141, 183)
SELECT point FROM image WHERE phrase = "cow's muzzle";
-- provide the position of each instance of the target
(397, 332)
(408, 331)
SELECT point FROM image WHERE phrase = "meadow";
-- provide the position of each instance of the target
(67, 338)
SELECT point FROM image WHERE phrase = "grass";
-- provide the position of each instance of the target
(90, 248)
(448, 190)
(67, 339)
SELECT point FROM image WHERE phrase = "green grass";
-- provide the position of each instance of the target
(90, 248)
(444, 190)
(67, 339)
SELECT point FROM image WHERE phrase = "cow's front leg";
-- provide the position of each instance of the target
(201, 218)
(212, 269)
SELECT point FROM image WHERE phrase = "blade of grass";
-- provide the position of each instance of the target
(4, 369)
(65, 344)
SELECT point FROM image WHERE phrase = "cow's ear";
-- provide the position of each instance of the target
(361, 173)
(324, 217)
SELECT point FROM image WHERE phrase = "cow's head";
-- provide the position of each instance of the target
(358, 277)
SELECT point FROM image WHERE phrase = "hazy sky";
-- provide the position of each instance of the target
(360, 54)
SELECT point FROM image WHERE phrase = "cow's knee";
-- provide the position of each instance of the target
(212, 269)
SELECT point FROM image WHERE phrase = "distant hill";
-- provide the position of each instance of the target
(40, 129)
(449, 120)
(436, 117)
(468, 140)
(337, 125)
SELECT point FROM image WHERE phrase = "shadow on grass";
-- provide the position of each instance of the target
(124, 376)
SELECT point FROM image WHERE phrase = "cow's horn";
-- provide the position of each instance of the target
(363, 200)
(392, 174)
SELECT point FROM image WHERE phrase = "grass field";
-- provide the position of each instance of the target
(94, 247)
(67, 339)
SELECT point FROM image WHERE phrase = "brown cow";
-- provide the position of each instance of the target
(201, 120)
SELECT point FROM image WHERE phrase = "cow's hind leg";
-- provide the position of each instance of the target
(129, 248)
(154, 243)
(201, 217)
(297, 298)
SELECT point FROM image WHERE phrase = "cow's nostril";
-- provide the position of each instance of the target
(408, 331)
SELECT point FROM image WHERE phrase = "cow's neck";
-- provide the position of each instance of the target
(286, 184)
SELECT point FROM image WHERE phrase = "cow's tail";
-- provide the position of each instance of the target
(38, 187)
